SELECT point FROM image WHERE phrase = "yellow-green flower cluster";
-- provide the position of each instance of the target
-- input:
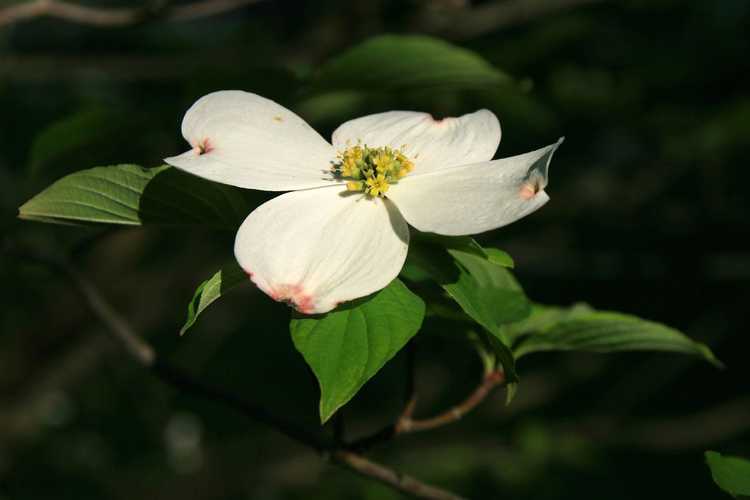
(371, 170)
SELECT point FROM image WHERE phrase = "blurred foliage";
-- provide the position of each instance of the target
(648, 216)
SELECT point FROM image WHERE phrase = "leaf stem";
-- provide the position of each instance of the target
(405, 423)
(489, 381)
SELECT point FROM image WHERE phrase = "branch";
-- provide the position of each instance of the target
(401, 482)
(115, 16)
(143, 353)
(463, 22)
(407, 424)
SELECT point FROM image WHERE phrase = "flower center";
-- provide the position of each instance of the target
(371, 170)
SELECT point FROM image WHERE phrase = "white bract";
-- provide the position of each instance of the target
(341, 232)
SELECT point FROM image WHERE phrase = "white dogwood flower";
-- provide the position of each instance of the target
(341, 232)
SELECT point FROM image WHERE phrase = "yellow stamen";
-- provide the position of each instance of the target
(377, 186)
(354, 186)
(371, 170)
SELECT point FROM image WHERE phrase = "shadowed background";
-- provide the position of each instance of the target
(647, 216)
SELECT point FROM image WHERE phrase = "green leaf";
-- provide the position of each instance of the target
(133, 195)
(347, 347)
(398, 62)
(731, 474)
(542, 317)
(503, 357)
(227, 278)
(487, 292)
(499, 257)
(609, 332)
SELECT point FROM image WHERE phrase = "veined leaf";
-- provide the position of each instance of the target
(542, 317)
(133, 195)
(227, 278)
(609, 332)
(348, 346)
(394, 62)
(731, 474)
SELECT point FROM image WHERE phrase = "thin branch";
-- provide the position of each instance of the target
(405, 423)
(462, 22)
(492, 379)
(401, 482)
(143, 353)
(205, 8)
(115, 16)
(139, 349)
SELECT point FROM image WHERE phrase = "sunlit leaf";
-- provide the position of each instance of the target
(732, 474)
(133, 195)
(349, 345)
(608, 332)
(499, 257)
(227, 278)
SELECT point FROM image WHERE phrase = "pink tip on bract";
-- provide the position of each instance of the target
(528, 191)
(203, 147)
(294, 296)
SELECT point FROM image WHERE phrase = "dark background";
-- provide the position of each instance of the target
(647, 216)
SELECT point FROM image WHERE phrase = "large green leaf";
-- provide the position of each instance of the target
(227, 278)
(347, 346)
(732, 474)
(397, 62)
(133, 195)
(608, 332)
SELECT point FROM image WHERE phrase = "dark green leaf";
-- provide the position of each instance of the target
(732, 474)
(133, 195)
(347, 347)
(395, 62)
(486, 291)
(542, 317)
(227, 278)
(503, 357)
(608, 332)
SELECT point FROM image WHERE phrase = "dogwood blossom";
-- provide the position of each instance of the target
(342, 229)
